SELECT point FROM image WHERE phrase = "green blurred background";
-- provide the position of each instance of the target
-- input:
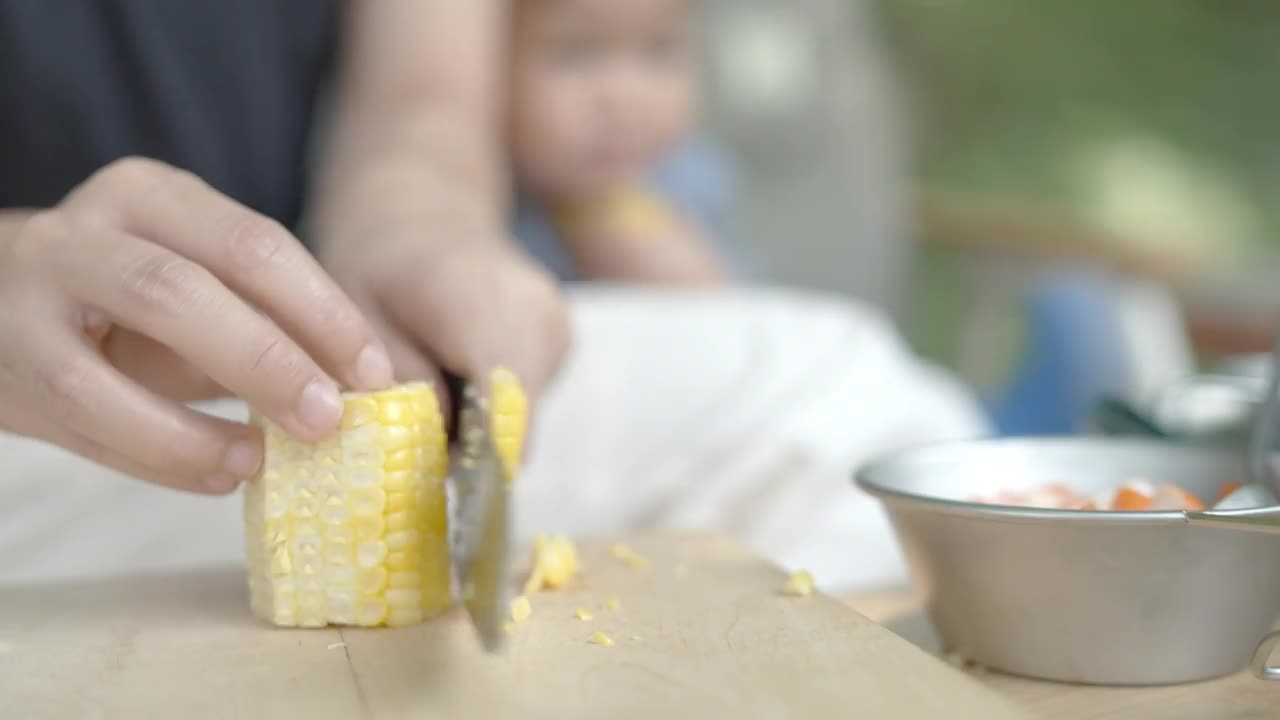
(1144, 127)
(1062, 102)
(940, 158)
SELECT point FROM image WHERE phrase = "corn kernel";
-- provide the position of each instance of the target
(403, 560)
(338, 554)
(371, 581)
(799, 584)
(404, 540)
(358, 412)
(371, 553)
(398, 437)
(633, 559)
(371, 611)
(335, 515)
(340, 579)
(393, 410)
(364, 477)
(280, 562)
(369, 457)
(405, 580)
(368, 501)
(399, 481)
(404, 598)
(339, 533)
(555, 562)
(400, 502)
(369, 527)
(520, 609)
(400, 521)
(508, 417)
(398, 460)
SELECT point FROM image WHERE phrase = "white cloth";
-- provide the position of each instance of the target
(745, 412)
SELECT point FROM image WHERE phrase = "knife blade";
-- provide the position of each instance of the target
(482, 521)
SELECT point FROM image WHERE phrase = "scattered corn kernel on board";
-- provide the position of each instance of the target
(701, 628)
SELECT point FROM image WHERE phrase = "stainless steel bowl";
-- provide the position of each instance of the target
(1115, 598)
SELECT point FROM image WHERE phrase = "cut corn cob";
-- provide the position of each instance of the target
(353, 530)
(508, 418)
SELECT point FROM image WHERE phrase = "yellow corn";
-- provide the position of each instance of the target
(633, 211)
(625, 554)
(799, 584)
(554, 563)
(508, 418)
(520, 609)
(353, 530)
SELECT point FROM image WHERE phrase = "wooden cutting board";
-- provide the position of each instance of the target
(701, 633)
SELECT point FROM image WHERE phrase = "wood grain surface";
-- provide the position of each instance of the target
(701, 633)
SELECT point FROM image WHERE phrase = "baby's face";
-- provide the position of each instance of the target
(600, 90)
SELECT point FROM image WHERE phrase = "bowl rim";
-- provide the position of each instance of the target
(865, 477)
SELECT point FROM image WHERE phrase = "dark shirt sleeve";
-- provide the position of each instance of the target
(225, 89)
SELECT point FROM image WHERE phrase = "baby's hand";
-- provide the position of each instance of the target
(635, 235)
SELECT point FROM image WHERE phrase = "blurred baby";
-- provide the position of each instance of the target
(603, 100)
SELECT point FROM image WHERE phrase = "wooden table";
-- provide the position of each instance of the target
(1239, 697)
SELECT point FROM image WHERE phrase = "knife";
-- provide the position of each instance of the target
(481, 551)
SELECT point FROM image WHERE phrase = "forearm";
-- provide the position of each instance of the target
(12, 218)
(416, 136)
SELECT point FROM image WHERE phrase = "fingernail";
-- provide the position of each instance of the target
(242, 459)
(221, 483)
(320, 407)
(373, 368)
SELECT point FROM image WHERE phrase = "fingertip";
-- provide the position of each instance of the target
(373, 368)
(243, 458)
(220, 484)
(319, 409)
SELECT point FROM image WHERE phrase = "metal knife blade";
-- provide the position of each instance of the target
(482, 522)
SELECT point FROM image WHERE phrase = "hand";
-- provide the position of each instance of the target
(463, 303)
(145, 287)
(633, 235)
(408, 206)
